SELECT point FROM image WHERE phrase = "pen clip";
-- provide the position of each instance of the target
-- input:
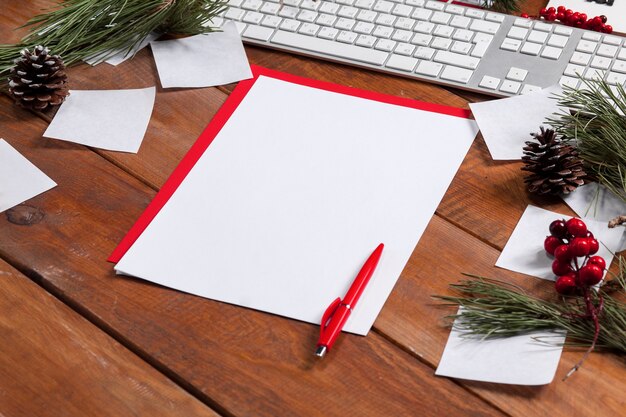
(328, 314)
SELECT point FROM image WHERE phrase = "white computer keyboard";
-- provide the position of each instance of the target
(438, 42)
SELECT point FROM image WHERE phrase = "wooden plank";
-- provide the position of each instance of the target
(414, 320)
(54, 362)
(245, 362)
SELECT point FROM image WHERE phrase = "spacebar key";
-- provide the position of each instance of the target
(323, 46)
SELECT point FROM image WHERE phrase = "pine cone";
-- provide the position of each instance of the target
(38, 80)
(555, 166)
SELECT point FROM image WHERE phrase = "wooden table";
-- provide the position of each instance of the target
(76, 340)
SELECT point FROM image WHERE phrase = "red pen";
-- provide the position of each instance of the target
(339, 310)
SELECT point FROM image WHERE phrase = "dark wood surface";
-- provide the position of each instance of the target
(78, 340)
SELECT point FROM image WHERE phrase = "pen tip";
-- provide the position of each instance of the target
(320, 351)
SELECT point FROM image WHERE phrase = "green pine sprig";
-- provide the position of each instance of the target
(595, 122)
(82, 29)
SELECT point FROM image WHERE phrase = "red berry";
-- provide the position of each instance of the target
(558, 228)
(589, 234)
(551, 10)
(551, 243)
(562, 254)
(583, 16)
(603, 18)
(576, 227)
(579, 246)
(590, 274)
(594, 246)
(597, 260)
(543, 12)
(551, 17)
(565, 284)
(608, 29)
(569, 12)
(561, 9)
(560, 16)
(561, 268)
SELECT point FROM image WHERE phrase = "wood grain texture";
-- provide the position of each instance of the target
(54, 362)
(238, 360)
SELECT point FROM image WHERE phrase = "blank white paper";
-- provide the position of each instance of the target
(108, 119)
(293, 195)
(528, 359)
(206, 60)
(506, 124)
(21, 180)
(524, 252)
(122, 55)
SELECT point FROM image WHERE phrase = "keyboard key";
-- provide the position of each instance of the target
(528, 88)
(460, 22)
(385, 19)
(366, 41)
(402, 10)
(460, 75)
(441, 43)
(307, 16)
(478, 14)
(345, 2)
(402, 35)
(327, 33)
(424, 27)
(461, 47)
(421, 39)
(482, 37)
(463, 61)
(435, 5)
(405, 23)
(235, 3)
(416, 3)
(258, 32)
(421, 14)
(586, 46)
(544, 27)
(591, 36)
(524, 23)
(309, 43)
(517, 74)
(509, 44)
(253, 17)
(288, 12)
(424, 52)
(382, 32)
(431, 69)
(404, 49)
(310, 5)
(607, 50)
(310, 29)
(385, 45)
(345, 23)
(558, 40)
(328, 7)
(612, 40)
(403, 63)
(364, 4)
(270, 8)
(537, 36)
(530, 48)
(615, 78)
(441, 17)
(463, 35)
(568, 82)
(594, 74)
(479, 49)
(517, 33)
(619, 66)
(348, 11)
(551, 52)
(600, 62)
(494, 17)
(490, 83)
(451, 8)
(383, 6)
(326, 19)
(443, 31)
(574, 70)
(346, 37)
(290, 25)
(271, 21)
(363, 27)
(562, 30)
(580, 58)
(294, 3)
(484, 26)
(234, 13)
(510, 86)
(251, 4)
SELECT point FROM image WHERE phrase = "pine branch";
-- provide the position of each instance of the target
(502, 6)
(596, 125)
(80, 29)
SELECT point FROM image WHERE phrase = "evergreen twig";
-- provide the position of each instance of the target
(81, 29)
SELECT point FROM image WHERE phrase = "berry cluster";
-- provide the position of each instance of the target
(570, 18)
(568, 241)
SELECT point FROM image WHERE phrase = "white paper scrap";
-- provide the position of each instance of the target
(524, 252)
(118, 57)
(506, 124)
(21, 180)
(109, 119)
(282, 209)
(203, 60)
(528, 359)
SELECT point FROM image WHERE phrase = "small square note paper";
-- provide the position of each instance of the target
(527, 359)
(115, 120)
(21, 180)
(202, 60)
(524, 252)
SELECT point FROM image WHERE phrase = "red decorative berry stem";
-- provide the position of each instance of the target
(570, 18)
